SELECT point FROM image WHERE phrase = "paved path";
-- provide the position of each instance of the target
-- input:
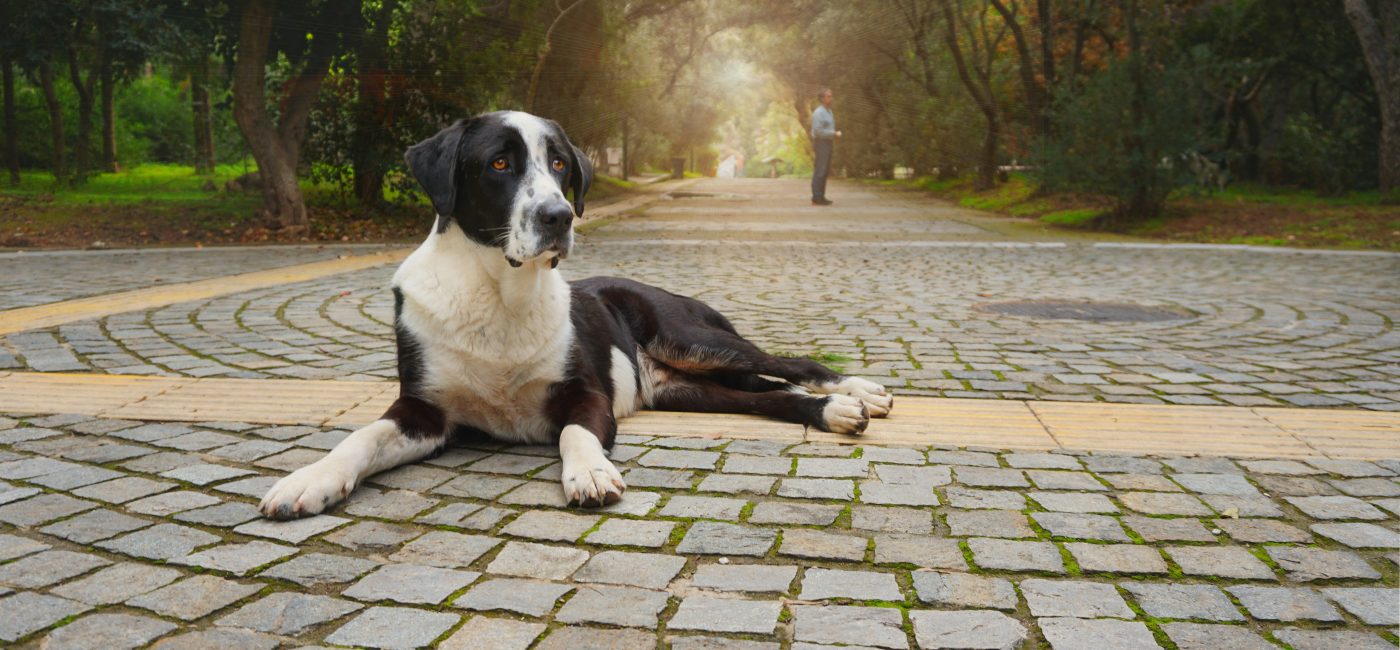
(139, 528)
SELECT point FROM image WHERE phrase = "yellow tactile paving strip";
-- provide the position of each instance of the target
(998, 424)
(68, 311)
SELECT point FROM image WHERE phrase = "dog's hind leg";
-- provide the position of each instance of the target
(835, 413)
(387, 443)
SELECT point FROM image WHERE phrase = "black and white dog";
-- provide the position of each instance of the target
(491, 338)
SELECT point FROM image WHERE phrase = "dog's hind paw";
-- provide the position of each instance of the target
(844, 414)
(593, 487)
(307, 491)
(877, 399)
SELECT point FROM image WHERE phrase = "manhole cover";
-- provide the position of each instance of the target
(1097, 312)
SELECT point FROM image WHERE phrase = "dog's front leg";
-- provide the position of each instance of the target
(380, 446)
(588, 477)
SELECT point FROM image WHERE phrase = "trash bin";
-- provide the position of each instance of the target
(678, 168)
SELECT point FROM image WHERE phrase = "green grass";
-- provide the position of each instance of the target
(149, 182)
(1072, 218)
(1291, 196)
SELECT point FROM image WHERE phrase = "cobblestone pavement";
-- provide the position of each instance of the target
(116, 534)
(884, 285)
(37, 278)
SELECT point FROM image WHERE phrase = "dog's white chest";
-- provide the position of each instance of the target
(489, 347)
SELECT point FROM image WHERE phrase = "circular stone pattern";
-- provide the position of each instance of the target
(1096, 312)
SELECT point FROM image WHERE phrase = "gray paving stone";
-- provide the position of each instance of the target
(922, 476)
(206, 473)
(1254, 531)
(41, 509)
(650, 570)
(679, 459)
(223, 639)
(393, 628)
(1109, 464)
(248, 451)
(632, 532)
(370, 534)
(1073, 598)
(1073, 502)
(1047, 480)
(1331, 639)
(741, 464)
(635, 503)
(794, 512)
(714, 614)
(876, 492)
(394, 504)
(817, 488)
(162, 505)
(478, 486)
(528, 597)
(288, 613)
(1036, 460)
(1008, 555)
(312, 569)
(1225, 562)
(1117, 558)
(26, 612)
(224, 515)
(1164, 503)
(1373, 605)
(966, 629)
(679, 479)
(877, 627)
(621, 606)
(1307, 564)
(117, 583)
(821, 584)
(1142, 482)
(1183, 601)
(833, 467)
(527, 560)
(964, 590)
(1359, 535)
(238, 559)
(1351, 468)
(968, 498)
(13, 546)
(1082, 634)
(744, 577)
(989, 523)
(804, 543)
(194, 597)
(480, 633)
(1256, 506)
(410, 583)
(1336, 507)
(160, 542)
(714, 538)
(444, 549)
(123, 489)
(295, 531)
(691, 507)
(418, 478)
(1077, 526)
(1153, 529)
(11, 493)
(965, 458)
(990, 477)
(892, 455)
(1285, 604)
(737, 483)
(1228, 484)
(94, 525)
(919, 550)
(571, 638)
(894, 520)
(1199, 636)
(47, 568)
(509, 464)
(107, 632)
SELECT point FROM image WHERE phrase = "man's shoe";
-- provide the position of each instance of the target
(821, 201)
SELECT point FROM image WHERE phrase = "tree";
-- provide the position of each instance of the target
(1379, 34)
(308, 35)
(977, 68)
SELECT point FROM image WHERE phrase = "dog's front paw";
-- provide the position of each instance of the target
(844, 414)
(592, 485)
(308, 491)
(877, 399)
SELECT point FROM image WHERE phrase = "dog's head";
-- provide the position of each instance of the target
(502, 178)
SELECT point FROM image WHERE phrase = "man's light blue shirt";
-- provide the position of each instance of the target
(823, 124)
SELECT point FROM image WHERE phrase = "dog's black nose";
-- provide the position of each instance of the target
(557, 216)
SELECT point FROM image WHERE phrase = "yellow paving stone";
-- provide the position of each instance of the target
(1000, 424)
(68, 311)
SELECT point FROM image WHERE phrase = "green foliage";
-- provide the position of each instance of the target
(1319, 156)
(141, 183)
(1096, 147)
(1072, 218)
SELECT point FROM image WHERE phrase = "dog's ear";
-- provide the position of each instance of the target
(435, 164)
(580, 178)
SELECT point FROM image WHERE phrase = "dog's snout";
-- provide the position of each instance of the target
(556, 216)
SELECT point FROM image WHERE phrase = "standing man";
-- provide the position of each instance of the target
(824, 136)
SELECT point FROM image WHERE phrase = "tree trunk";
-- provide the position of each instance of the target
(1141, 203)
(11, 122)
(368, 156)
(987, 165)
(532, 91)
(283, 206)
(1035, 103)
(82, 158)
(109, 121)
(203, 117)
(1378, 33)
(46, 82)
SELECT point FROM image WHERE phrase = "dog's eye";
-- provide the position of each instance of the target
(558, 164)
(500, 164)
